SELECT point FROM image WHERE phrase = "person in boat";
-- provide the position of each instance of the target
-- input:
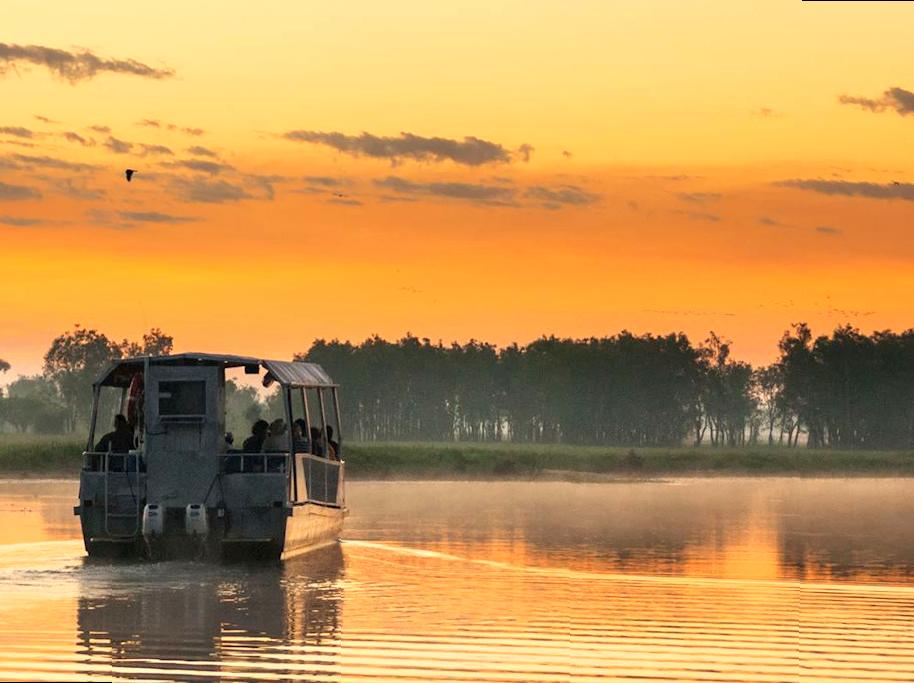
(259, 432)
(118, 441)
(278, 438)
(299, 441)
(334, 446)
(317, 442)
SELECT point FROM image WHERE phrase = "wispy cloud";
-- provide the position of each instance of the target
(74, 66)
(70, 136)
(17, 131)
(772, 222)
(896, 99)
(199, 151)
(18, 192)
(200, 165)
(702, 216)
(31, 161)
(342, 201)
(44, 119)
(187, 130)
(156, 217)
(142, 149)
(563, 195)
(699, 197)
(904, 191)
(202, 190)
(470, 151)
(21, 222)
(828, 230)
(100, 129)
(75, 189)
(489, 195)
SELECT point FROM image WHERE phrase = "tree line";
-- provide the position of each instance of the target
(844, 390)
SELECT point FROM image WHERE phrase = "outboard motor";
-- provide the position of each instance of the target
(153, 521)
(196, 522)
(153, 528)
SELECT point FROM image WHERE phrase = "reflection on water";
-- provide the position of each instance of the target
(712, 580)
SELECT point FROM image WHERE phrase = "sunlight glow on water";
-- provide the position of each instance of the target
(690, 580)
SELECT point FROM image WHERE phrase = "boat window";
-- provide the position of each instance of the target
(333, 421)
(300, 417)
(110, 403)
(184, 398)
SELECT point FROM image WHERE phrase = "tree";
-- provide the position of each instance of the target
(76, 359)
(4, 366)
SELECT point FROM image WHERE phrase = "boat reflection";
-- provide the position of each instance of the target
(223, 621)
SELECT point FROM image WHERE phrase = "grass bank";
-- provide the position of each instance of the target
(61, 455)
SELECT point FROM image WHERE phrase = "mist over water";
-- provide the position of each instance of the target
(692, 579)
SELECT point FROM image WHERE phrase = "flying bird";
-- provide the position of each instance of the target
(129, 173)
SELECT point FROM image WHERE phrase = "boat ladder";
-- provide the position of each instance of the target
(123, 507)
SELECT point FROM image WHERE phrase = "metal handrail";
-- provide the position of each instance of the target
(264, 458)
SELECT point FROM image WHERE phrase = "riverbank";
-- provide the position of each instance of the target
(28, 455)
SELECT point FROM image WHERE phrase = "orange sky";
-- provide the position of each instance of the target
(654, 198)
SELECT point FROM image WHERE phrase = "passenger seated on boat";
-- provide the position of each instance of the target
(254, 443)
(317, 440)
(118, 441)
(278, 439)
(299, 442)
(333, 446)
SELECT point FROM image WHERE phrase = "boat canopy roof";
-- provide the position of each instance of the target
(287, 373)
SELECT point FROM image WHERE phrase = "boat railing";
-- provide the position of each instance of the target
(106, 461)
(255, 463)
(319, 479)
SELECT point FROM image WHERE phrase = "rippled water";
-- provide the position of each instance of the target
(705, 580)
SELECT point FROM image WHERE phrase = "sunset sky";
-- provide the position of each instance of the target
(489, 170)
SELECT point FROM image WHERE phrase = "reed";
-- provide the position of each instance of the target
(391, 460)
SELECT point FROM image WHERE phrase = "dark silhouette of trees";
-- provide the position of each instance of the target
(846, 390)
(60, 399)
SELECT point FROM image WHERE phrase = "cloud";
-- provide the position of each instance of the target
(118, 146)
(828, 230)
(702, 216)
(565, 194)
(766, 113)
(524, 151)
(344, 202)
(207, 191)
(155, 217)
(100, 129)
(44, 119)
(699, 197)
(153, 123)
(19, 222)
(326, 181)
(76, 137)
(17, 192)
(567, 154)
(849, 188)
(155, 149)
(211, 167)
(140, 148)
(74, 189)
(196, 150)
(30, 161)
(471, 151)
(489, 195)
(772, 222)
(897, 99)
(17, 131)
(74, 66)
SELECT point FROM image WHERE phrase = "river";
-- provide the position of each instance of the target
(744, 579)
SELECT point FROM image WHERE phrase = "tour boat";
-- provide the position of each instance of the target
(169, 482)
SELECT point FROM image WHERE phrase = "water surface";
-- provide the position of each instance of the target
(680, 580)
